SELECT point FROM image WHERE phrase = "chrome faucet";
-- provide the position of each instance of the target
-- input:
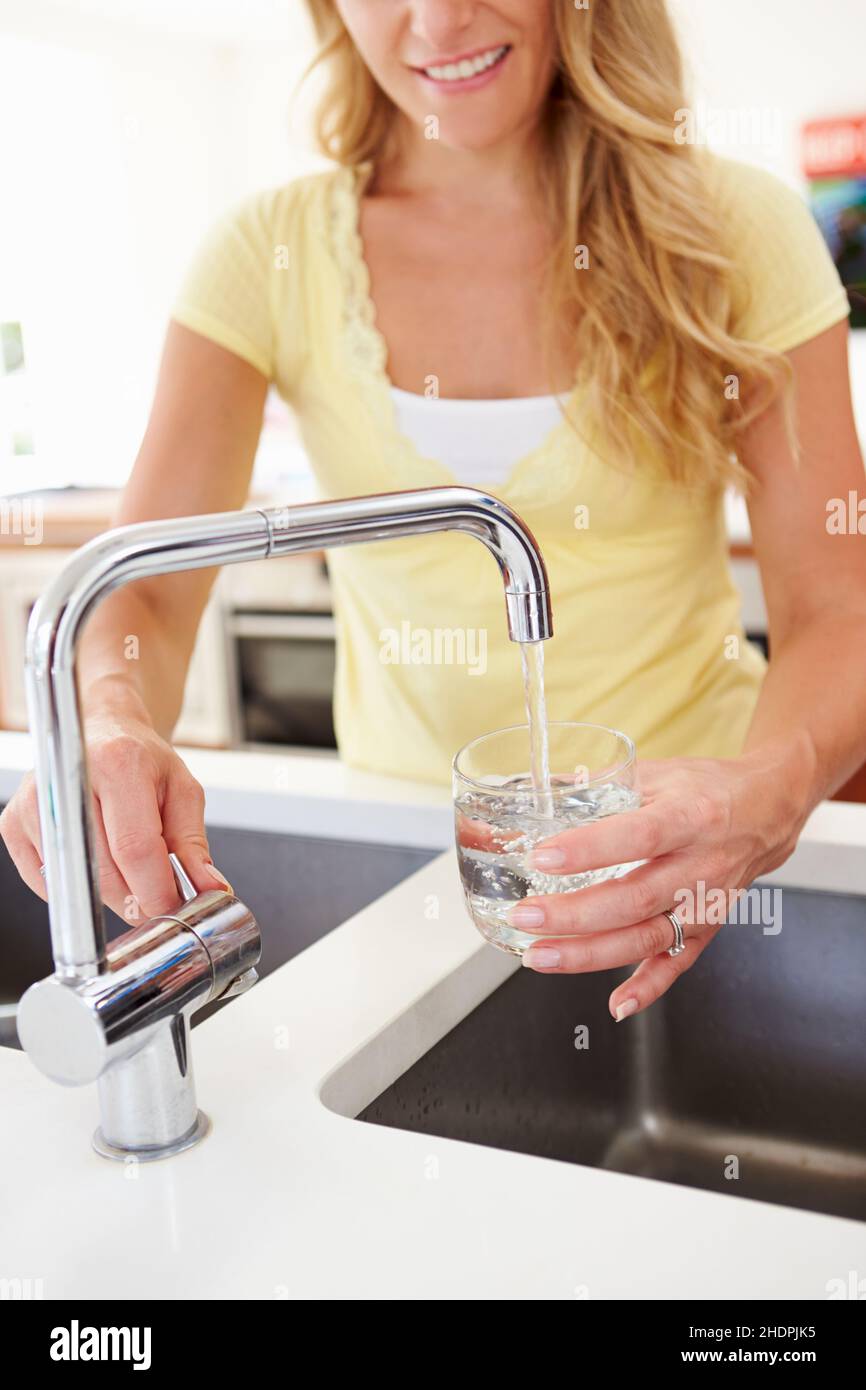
(120, 1015)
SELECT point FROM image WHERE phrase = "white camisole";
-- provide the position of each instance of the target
(480, 441)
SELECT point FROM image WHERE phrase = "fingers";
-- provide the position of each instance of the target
(19, 824)
(140, 836)
(480, 834)
(128, 777)
(19, 828)
(661, 827)
(654, 977)
(680, 831)
(184, 831)
(474, 834)
(113, 888)
(133, 830)
(621, 902)
(146, 803)
(602, 950)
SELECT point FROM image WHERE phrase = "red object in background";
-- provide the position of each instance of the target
(835, 148)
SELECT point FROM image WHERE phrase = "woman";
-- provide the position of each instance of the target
(601, 323)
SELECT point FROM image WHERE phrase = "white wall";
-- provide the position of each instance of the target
(797, 59)
(128, 127)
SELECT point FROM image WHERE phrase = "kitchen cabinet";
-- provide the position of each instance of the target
(205, 719)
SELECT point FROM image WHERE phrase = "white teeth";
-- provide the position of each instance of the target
(467, 67)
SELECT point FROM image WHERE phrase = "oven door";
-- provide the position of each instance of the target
(284, 666)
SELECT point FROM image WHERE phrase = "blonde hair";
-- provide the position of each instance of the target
(619, 182)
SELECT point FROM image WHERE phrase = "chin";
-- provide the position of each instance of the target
(472, 142)
(469, 133)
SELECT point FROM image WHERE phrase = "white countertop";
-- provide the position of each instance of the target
(289, 1198)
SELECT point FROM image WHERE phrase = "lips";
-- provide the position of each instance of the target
(465, 69)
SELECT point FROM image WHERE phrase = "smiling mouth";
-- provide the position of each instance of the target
(464, 69)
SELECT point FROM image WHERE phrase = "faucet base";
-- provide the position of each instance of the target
(152, 1153)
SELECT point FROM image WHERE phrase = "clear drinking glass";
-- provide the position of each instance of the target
(500, 817)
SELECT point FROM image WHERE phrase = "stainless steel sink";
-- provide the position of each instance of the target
(298, 888)
(754, 1064)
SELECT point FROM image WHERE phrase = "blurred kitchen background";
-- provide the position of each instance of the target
(128, 127)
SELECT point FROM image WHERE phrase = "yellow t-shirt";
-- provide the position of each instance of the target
(647, 632)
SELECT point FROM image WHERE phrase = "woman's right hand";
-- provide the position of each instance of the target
(146, 803)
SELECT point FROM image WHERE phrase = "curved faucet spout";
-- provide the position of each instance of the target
(62, 781)
(387, 515)
(180, 543)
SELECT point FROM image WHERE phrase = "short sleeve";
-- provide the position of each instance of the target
(227, 291)
(788, 289)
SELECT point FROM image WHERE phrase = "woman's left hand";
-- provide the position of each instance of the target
(703, 825)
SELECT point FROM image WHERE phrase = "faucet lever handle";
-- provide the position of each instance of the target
(185, 885)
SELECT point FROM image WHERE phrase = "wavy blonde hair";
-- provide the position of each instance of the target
(619, 182)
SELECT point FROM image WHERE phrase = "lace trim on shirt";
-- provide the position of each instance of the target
(365, 354)
(366, 350)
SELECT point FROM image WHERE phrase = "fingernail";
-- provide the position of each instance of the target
(626, 1008)
(541, 958)
(525, 917)
(215, 874)
(546, 859)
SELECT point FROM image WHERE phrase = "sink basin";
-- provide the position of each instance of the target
(298, 888)
(747, 1078)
